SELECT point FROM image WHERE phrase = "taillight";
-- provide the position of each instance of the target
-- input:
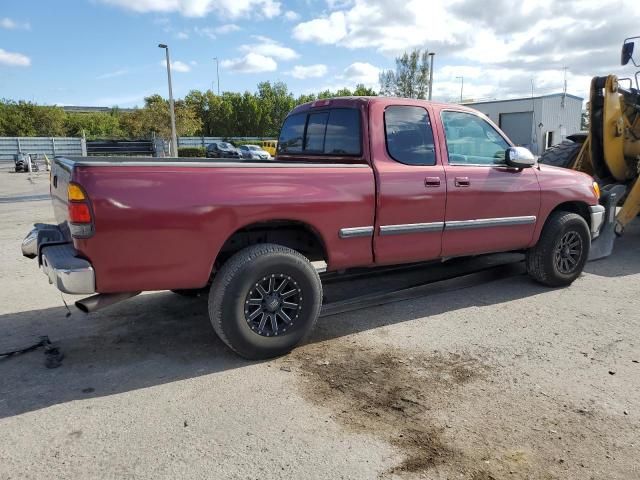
(79, 213)
(80, 217)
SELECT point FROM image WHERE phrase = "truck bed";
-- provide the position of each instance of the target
(160, 223)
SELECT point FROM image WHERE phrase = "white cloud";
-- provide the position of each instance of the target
(362, 72)
(291, 15)
(270, 48)
(201, 8)
(325, 30)
(251, 63)
(176, 66)
(182, 36)
(213, 32)
(115, 73)
(227, 28)
(13, 59)
(206, 32)
(308, 71)
(10, 24)
(508, 44)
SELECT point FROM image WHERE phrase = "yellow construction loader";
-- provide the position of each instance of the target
(610, 149)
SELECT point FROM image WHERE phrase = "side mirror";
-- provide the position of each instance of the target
(627, 53)
(519, 157)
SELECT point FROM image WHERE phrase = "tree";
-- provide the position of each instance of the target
(411, 77)
(362, 91)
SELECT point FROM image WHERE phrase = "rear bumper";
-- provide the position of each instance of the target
(59, 260)
(598, 213)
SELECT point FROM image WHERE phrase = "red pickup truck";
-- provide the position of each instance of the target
(357, 182)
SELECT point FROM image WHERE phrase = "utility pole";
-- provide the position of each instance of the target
(174, 136)
(461, 86)
(431, 54)
(564, 89)
(217, 74)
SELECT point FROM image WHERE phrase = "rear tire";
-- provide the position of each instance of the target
(561, 155)
(264, 300)
(562, 250)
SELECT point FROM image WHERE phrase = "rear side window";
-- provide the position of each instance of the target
(292, 134)
(409, 135)
(327, 132)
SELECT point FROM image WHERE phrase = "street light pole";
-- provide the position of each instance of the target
(461, 87)
(431, 54)
(217, 75)
(172, 112)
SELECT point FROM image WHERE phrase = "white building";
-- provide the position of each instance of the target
(535, 122)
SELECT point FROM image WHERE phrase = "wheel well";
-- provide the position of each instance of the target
(295, 235)
(579, 208)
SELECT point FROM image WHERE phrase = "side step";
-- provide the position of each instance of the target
(422, 290)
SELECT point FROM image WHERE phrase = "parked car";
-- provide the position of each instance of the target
(222, 150)
(254, 152)
(357, 183)
(270, 146)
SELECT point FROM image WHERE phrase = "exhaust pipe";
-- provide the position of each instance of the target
(102, 300)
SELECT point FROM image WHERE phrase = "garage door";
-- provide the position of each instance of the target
(518, 127)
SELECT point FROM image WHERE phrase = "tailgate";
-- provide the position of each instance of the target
(61, 172)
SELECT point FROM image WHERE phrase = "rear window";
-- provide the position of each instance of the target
(327, 132)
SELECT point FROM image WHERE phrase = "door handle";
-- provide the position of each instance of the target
(462, 181)
(432, 182)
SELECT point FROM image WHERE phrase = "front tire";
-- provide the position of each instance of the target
(264, 300)
(562, 250)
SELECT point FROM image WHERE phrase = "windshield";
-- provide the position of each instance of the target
(224, 145)
(253, 147)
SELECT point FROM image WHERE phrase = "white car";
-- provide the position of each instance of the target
(254, 152)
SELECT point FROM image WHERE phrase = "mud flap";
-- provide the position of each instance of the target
(602, 246)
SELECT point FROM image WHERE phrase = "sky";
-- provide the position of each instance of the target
(104, 52)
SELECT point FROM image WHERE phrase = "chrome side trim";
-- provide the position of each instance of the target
(490, 222)
(597, 219)
(411, 228)
(204, 163)
(354, 232)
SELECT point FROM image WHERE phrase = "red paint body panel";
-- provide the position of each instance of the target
(558, 186)
(493, 192)
(162, 226)
(403, 197)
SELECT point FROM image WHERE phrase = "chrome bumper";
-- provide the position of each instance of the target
(597, 219)
(59, 260)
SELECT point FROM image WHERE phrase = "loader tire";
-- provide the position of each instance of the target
(562, 250)
(264, 300)
(561, 155)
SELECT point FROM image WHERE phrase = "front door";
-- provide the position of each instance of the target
(490, 207)
(411, 184)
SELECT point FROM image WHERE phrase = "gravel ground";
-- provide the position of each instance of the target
(503, 380)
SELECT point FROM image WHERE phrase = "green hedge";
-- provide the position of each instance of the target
(191, 152)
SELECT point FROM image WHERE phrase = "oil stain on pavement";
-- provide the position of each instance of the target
(391, 395)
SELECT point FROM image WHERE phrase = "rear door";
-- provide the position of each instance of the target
(411, 184)
(490, 207)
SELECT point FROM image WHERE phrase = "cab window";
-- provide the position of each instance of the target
(409, 135)
(471, 140)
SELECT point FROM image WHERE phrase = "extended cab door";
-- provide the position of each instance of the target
(490, 207)
(410, 181)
